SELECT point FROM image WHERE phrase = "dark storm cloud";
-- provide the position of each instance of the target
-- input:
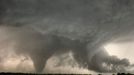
(95, 21)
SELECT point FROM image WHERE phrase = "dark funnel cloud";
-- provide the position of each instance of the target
(42, 28)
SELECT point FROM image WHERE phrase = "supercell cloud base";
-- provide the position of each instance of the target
(39, 35)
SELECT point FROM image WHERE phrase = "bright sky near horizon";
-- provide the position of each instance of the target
(121, 50)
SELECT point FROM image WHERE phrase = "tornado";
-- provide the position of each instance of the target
(42, 28)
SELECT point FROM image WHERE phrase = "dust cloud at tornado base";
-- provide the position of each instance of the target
(26, 25)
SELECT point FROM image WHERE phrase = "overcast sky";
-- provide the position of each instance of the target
(33, 30)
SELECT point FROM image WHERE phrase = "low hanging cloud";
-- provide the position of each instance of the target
(40, 29)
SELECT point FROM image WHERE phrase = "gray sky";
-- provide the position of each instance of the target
(36, 29)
